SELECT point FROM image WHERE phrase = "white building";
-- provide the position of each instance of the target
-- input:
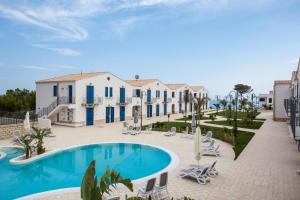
(282, 91)
(101, 97)
(266, 100)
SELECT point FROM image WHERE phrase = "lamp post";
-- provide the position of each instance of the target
(235, 127)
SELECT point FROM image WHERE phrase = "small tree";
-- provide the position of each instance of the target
(91, 189)
(186, 99)
(199, 102)
(39, 135)
(25, 141)
(223, 102)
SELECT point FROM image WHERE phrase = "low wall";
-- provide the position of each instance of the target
(6, 131)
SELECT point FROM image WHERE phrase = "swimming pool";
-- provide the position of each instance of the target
(65, 169)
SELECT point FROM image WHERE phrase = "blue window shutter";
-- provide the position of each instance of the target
(55, 90)
(111, 91)
(106, 91)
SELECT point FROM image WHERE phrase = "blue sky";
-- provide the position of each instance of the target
(215, 43)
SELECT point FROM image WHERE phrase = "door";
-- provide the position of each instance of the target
(107, 118)
(90, 94)
(122, 113)
(149, 111)
(173, 108)
(157, 110)
(165, 109)
(89, 116)
(180, 107)
(122, 95)
(70, 98)
(165, 96)
(112, 114)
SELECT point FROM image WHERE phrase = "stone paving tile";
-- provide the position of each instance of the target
(266, 169)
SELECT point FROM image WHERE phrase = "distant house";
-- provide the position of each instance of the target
(266, 100)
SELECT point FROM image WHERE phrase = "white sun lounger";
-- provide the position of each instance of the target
(207, 137)
(162, 188)
(211, 172)
(149, 129)
(137, 131)
(208, 145)
(185, 133)
(211, 152)
(172, 132)
(199, 174)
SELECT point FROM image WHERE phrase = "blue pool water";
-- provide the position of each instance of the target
(65, 169)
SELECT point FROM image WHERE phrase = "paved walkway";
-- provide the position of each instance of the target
(266, 169)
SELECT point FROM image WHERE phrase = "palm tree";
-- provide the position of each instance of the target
(199, 102)
(186, 99)
(39, 135)
(25, 140)
(92, 190)
(223, 102)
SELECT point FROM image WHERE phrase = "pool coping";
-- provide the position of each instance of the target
(171, 166)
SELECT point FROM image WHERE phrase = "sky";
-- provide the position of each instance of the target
(214, 43)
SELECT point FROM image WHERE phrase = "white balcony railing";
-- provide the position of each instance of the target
(93, 102)
(124, 102)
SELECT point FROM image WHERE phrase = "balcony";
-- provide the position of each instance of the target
(66, 100)
(152, 101)
(124, 102)
(95, 101)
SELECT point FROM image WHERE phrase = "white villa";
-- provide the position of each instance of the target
(103, 98)
(266, 100)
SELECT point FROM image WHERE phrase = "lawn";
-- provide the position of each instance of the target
(240, 114)
(240, 123)
(190, 118)
(243, 137)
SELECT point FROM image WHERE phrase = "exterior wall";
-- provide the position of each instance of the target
(157, 86)
(99, 84)
(267, 98)
(281, 91)
(76, 112)
(6, 131)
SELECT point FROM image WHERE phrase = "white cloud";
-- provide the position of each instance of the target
(67, 19)
(294, 61)
(34, 67)
(61, 51)
(122, 27)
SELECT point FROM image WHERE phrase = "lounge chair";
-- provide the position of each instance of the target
(149, 129)
(162, 189)
(172, 132)
(199, 174)
(149, 190)
(137, 131)
(211, 172)
(211, 152)
(208, 146)
(207, 137)
(185, 133)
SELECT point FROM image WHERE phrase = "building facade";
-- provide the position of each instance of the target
(103, 98)
(266, 100)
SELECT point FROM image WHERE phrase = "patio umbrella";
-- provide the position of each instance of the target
(194, 124)
(27, 123)
(198, 142)
(135, 118)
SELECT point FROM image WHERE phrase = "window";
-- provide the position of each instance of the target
(195, 95)
(106, 91)
(262, 99)
(157, 94)
(55, 90)
(173, 94)
(110, 92)
(138, 93)
(270, 100)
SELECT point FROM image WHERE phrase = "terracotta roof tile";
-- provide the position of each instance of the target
(141, 83)
(71, 77)
(176, 86)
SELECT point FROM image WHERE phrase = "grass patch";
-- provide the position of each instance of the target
(190, 118)
(240, 114)
(240, 123)
(224, 134)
